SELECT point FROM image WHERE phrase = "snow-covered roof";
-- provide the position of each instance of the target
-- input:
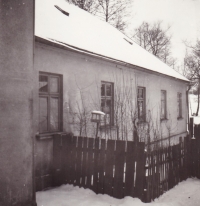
(85, 32)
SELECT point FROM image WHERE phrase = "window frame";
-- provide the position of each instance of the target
(165, 105)
(141, 118)
(111, 123)
(179, 106)
(49, 95)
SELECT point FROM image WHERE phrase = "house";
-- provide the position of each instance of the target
(85, 64)
(80, 64)
(16, 103)
(88, 64)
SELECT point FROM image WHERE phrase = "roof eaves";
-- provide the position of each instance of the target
(74, 48)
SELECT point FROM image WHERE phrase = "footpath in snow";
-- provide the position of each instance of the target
(186, 193)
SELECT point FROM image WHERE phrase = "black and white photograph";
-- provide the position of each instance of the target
(99, 102)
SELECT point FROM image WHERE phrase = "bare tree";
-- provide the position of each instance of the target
(155, 40)
(192, 68)
(115, 12)
(127, 121)
(87, 5)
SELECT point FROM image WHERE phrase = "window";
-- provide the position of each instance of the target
(163, 104)
(141, 103)
(179, 105)
(107, 93)
(49, 103)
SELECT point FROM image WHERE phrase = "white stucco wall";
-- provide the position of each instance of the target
(82, 75)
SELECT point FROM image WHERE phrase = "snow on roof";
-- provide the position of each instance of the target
(58, 21)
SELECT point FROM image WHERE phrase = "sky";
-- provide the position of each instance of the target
(182, 15)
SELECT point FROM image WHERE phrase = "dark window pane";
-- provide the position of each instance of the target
(108, 90)
(54, 84)
(54, 114)
(43, 83)
(102, 89)
(140, 109)
(103, 104)
(179, 101)
(107, 108)
(163, 95)
(107, 119)
(43, 117)
(106, 101)
(162, 109)
(141, 103)
(163, 104)
(140, 93)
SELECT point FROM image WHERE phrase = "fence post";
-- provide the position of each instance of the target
(191, 128)
(58, 167)
(193, 157)
(146, 166)
(192, 148)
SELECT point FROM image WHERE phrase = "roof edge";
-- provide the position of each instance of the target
(65, 46)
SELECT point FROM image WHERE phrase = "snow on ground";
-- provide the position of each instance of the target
(193, 108)
(186, 193)
(192, 103)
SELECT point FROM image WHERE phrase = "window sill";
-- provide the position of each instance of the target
(163, 120)
(179, 118)
(48, 135)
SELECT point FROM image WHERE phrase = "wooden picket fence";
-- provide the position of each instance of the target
(120, 168)
(108, 167)
(194, 163)
(165, 168)
(194, 155)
